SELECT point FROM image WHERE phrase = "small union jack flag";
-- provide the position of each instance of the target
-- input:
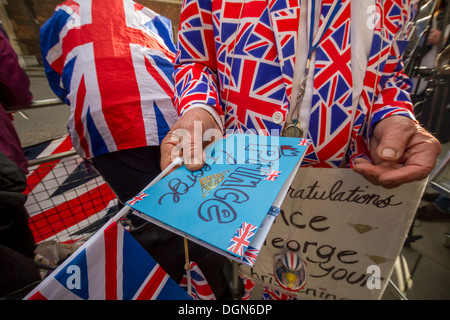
(272, 175)
(200, 289)
(242, 238)
(111, 265)
(250, 255)
(137, 198)
(304, 142)
(273, 294)
(249, 285)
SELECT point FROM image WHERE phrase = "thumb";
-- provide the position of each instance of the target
(185, 139)
(193, 154)
(393, 134)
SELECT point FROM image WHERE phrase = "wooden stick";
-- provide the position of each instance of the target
(187, 266)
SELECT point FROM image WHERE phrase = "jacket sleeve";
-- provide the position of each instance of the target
(394, 98)
(394, 87)
(391, 94)
(196, 80)
(14, 82)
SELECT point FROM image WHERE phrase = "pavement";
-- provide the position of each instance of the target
(422, 271)
(38, 125)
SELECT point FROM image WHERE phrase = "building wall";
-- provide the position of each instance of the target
(27, 16)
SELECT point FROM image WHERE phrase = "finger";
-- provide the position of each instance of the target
(390, 175)
(367, 170)
(185, 139)
(404, 174)
(193, 153)
(374, 173)
(169, 151)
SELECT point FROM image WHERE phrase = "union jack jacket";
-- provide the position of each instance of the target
(239, 56)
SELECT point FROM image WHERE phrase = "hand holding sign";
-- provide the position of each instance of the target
(229, 204)
(188, 137)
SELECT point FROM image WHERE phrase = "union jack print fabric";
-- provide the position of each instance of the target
(249, 285)
(239, 58)
(250, 255)
(385, 83)
(137, 198)
(272, 175)
(332, 96)
(273, 294)
(109, 266)
(114, 70)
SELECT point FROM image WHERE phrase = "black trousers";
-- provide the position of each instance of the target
(128, 172)
(17, 268)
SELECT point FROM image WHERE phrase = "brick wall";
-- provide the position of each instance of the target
(27, 16)
(25, 27)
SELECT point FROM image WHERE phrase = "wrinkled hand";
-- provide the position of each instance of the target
(188, 137)
(402, 151)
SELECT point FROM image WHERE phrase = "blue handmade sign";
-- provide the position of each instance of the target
(230, 204)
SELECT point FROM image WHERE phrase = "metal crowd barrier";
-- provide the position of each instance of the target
(67, 199)
(45, 103)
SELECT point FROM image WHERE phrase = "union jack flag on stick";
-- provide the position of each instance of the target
(137, 198)
(242, 239)
(110, 266)
(199, 286)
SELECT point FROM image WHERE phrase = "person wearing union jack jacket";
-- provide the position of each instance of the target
(330, 71)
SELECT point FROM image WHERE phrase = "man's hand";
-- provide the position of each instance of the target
(186, 139)
(402, 151)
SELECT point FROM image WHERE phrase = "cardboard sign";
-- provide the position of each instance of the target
(230, 204)
(347, 231)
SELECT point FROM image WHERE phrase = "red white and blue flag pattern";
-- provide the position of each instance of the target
(137, 198)
(272, 175)
(112, 62)
(333, 85)
(273, 294)
(239, 58)
(268, 293)
(242, 238)
(199, 287)
(385, 82)
(250, 255)
(68, 201)
(109, 266)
